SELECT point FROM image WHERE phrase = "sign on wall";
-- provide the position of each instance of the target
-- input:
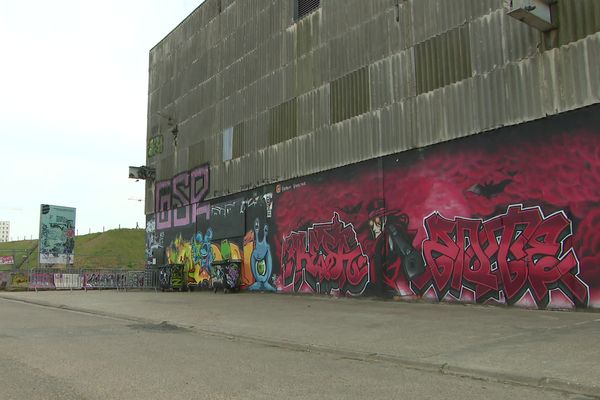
(57, 234)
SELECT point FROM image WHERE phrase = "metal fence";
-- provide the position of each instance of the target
(80, 279)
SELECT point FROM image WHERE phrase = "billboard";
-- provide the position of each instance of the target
(57, 234)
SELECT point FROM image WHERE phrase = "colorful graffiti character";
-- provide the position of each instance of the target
(394, 252)
(260, 261)
(202, 250)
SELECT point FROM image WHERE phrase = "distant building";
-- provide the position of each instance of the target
(4, 231)
(418, 148)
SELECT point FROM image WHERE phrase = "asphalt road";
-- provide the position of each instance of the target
(54, 353)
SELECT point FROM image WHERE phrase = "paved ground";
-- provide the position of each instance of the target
(146, 344)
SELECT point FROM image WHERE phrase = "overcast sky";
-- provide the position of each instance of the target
(73, 101)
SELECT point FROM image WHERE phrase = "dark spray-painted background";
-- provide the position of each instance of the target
(506, 217)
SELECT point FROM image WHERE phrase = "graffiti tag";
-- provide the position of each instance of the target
(519, 251)
(180, 200)
(327, 257)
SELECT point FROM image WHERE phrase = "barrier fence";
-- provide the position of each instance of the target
(48, 279)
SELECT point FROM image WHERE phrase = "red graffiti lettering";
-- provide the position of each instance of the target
(513, 253)
(326, 258)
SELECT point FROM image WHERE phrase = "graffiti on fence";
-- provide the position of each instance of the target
(7, 260)
(68, 280)
(4, 279)
(135, 280)
(41, 280)
(325, 258)
(171, 276)
(104, 280)
(19, 280)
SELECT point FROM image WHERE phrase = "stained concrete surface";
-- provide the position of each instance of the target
(297, 344)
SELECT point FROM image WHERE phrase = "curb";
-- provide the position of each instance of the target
(539, 382)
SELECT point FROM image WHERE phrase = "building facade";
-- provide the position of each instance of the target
(4, 231)
(410, 148)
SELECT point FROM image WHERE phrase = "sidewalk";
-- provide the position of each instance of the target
(551, 349)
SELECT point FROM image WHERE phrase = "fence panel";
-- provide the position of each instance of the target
(151, 279)
(41, 279)
(101, 279)
(135, 280)
(4, 279)
(69, 279)
(19, 280)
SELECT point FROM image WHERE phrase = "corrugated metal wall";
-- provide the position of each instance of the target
(436, 70)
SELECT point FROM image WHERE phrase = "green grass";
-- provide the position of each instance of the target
(114, 249)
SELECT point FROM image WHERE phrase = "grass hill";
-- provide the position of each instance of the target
(114, 249)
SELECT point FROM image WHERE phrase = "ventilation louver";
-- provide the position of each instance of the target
(305, 7)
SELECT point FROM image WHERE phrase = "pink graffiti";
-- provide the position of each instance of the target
(180, 201)
(512, 253)
(326, 258)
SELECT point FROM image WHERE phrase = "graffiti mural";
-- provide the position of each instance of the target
(326, 258)
(513, 253)
(507, 217)
(154, 242)
(504, 217)
(394, 253)
(57, 234)
(259, 269)
(261, 261)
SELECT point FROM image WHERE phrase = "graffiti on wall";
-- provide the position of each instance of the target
(154, 241)
(180, 201)
(394, 255)
(513, 253)
(326, 258)
(155, 146)
(258, 270)
(199, 254)
(507, 217)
